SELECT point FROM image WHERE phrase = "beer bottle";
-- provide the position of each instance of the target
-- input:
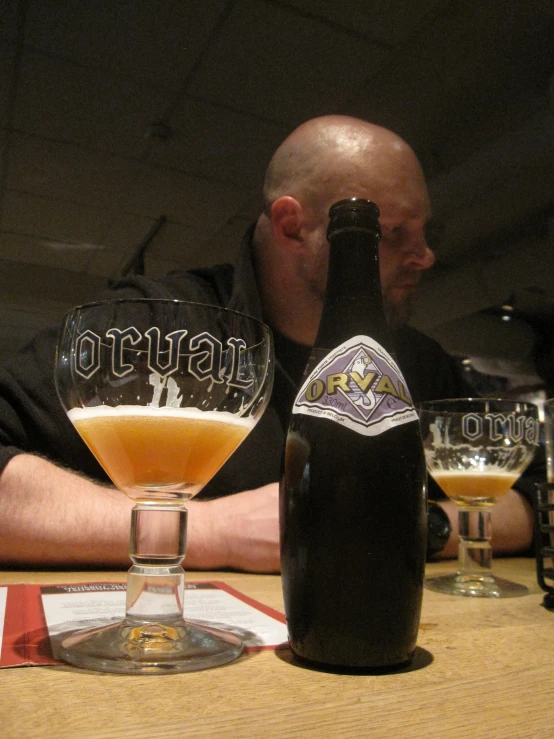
(352, 496)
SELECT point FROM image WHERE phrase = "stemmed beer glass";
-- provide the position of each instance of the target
(162, 392)
(475, 449)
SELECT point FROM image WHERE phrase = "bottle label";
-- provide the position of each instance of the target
(360, 386)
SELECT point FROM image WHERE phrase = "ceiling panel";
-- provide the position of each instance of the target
(63, 101)
(128, 232)
(75, 173)
(265, 69)
(176, 246)
(470, 228)
(7, 67)
(125, 233)
(62, 287)
(506, 187)
(33, 250)
(52, 219)
(9, 20)
(182, 243)
(183, 198)
(218, 143)
(107, 264)
(523, 148)
(3, 148)
(480, 73)
(110, 35)
(490, 281)
(381, 21)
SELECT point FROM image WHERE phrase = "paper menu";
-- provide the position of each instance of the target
(35, 615)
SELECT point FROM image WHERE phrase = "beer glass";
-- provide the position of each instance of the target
(476, 449)
(162, 392)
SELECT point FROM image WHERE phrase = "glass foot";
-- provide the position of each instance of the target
(150, 647)
(475, 586)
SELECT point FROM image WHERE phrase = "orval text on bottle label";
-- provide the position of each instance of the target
(358, 385)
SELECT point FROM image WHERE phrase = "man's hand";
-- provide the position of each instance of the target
(239, 531)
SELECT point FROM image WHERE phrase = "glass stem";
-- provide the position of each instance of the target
(156, 581)
(475, 549)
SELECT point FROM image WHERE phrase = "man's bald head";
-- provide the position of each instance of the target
(326, 158)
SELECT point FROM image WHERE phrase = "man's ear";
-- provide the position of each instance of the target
(286, 223)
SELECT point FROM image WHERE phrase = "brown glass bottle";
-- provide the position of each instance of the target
(352, 498)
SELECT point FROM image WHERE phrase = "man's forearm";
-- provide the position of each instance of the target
(50, 516)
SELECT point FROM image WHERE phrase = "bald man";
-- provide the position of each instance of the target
(56, 505)
(323, 161)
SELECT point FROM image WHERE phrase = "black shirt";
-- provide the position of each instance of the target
(33, 421)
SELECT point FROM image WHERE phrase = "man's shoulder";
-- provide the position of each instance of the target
(207, 284)
(217, 280)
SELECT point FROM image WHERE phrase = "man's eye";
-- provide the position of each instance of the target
(392, 235)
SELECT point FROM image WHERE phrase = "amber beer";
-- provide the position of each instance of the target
(352, 497)
(160, 452)
(482, 488)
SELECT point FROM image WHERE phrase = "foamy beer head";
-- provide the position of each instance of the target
(163, 391)
(160, 452)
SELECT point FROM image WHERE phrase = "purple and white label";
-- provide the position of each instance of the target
(360, 386)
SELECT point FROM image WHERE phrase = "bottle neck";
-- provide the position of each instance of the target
(353, 302)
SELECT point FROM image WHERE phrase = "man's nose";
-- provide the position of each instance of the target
(418, 254)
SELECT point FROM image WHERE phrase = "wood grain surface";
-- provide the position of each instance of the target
(484, 668)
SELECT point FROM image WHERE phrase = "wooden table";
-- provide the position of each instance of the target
(485, 668)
